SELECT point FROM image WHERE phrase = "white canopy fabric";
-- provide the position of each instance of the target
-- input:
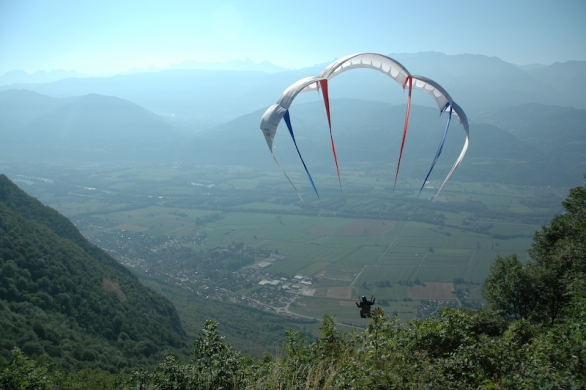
(379, 62)
(383, 64)
(440, 96)
(273, 115)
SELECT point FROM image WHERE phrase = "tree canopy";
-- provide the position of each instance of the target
(543, 288)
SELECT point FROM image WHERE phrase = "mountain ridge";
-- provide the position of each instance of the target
(96, 128)
(370, 132)
(556, 130)
(205, 98)
(19, 107)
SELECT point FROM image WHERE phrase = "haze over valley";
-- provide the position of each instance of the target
(111, 164)
(138, 198)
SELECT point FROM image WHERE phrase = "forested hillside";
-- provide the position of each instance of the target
(63, 297)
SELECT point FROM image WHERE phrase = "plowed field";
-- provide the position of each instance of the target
(431, 290)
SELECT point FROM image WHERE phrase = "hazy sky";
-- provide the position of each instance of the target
(109, 36)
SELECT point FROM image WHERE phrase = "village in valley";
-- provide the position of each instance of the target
(170, 261)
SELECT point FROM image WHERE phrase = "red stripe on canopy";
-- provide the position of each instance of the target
(410, 81)
(324, 86)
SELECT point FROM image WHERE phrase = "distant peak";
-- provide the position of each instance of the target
(530, 66)
(236, 64)
(38, 77)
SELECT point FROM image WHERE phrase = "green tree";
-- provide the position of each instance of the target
(21, 372)
(510, 288)
(559, 254)
(544, 287)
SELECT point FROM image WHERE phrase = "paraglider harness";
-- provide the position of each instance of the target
(364, 306)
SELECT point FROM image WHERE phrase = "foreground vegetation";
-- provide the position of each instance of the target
(459, 349)
(532, 335)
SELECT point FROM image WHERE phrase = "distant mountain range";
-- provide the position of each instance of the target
(483, 84)
(247, 65)
(21, 77)
(197, 99)
(370, 133)
(558, 131)
(91, 128)
(19, 107)
(41, 76)
(568, 78)
(527, 144)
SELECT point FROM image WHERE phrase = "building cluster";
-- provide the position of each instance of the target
(166, 258)
(431, 307)
(297, 283)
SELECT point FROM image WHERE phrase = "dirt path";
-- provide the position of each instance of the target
(386, 250)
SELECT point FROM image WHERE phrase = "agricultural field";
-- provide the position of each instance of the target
(346, 244)
(343, 252)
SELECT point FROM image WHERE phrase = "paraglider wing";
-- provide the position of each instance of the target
(445, 103)
(272, 117)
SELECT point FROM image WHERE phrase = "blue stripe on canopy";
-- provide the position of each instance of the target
(288, 122)
(439, 150)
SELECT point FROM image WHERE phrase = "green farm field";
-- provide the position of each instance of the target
(344, 240)
(406, 252)
(407, 243)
